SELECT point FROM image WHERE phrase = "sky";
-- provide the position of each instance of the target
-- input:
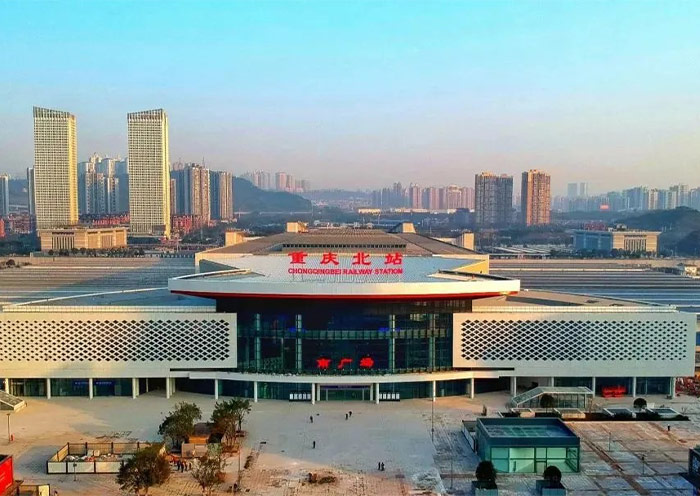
(361, 94)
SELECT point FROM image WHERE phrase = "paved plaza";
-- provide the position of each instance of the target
(279, 447)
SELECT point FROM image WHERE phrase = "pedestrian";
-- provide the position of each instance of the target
(382, 466)
(190, 466)
(311, 419)
(55, 492)
(346, 416)
(177, 465)
(351, 413)
(379, 465)
(314, 445)
(668, 427)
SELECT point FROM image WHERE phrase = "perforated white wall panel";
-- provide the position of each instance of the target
(578, 344)
(114, 344)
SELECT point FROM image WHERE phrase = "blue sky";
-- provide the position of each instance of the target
(359, 94)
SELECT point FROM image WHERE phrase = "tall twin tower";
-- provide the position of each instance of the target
(56, 171)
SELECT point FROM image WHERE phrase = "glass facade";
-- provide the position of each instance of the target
(352, 339)
(653, 385)
(69, 387)
(28, 387)
(534, 459)
(573, 382)
(625, 383)
(111, 387)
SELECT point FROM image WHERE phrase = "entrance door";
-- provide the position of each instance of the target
(345, 393)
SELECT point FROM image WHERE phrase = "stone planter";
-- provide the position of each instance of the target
(547, 488)
(484, 488)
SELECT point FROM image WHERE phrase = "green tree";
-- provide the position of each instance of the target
(228, 417)
(640, 404)
(147, 468)
(178, 425)
(209, 473)
(552, 475)
(485, 472)
(547, 401)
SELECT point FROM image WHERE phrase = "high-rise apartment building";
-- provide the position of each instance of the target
(535, 198)
(149, 174)
(583, 190)
(4, 195)
(493, 202)
(431, 198)
(55, 168)
(572, 191)
(193, 191)
(415, 196)
(221, 195)
(682, 195)
(281, 179)
(467, 197)
(30, 191)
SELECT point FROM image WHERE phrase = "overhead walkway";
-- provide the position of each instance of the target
(564, 397)
(9, 402)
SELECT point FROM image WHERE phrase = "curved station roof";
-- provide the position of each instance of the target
(298, 275)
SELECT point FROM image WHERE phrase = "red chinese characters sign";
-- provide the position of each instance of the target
(360, 264)
(324, 363)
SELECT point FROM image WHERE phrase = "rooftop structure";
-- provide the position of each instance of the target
(527, 445)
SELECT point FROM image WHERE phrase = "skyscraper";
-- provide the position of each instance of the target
(30, 191)
(149, 174)
(535, 198)
(493, 199)
(221, 195)
(55, 168)
(4, 195)
(572, 190)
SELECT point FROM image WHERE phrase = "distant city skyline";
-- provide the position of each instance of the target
(356, 95)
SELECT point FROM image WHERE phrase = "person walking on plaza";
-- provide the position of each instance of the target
(311, 419)
(314, 445)
(379, 465)
(350, 412)
(382, 466)
(346, 416)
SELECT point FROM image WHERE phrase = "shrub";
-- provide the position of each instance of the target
(640, 403)
(547, 401)
(485, 472)
(552, 475)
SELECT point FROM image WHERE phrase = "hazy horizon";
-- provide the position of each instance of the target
(358, 95)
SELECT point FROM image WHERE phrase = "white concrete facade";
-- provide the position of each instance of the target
(560, 343)
(82, 342)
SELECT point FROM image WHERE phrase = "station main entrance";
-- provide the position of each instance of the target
(346, 392)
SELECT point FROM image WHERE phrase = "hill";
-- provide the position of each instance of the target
(679, 227)
(248, 198)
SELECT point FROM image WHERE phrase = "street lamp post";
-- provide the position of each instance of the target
(432, 420)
